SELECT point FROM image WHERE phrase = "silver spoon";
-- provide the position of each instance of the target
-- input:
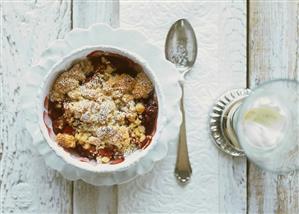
(181, 50)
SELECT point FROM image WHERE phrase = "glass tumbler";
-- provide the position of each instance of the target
(262, 124)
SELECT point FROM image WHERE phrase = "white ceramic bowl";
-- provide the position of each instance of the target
(58, 56)
(45, 122)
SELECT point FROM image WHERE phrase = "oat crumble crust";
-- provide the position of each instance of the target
(102, 107)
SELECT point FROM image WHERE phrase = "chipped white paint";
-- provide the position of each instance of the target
(27, 185)
(90, 199)
(218, 183)
(274, 53)
(86, 13)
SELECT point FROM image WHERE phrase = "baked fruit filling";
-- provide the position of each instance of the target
(103, 108)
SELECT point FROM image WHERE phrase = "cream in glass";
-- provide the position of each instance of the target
(267, 126)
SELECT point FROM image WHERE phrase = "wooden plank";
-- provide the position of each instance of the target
(274, 53)
(232, 177)
(91, 199)
(87, 198)
(218, 183)
(86, 13)
(27, 185)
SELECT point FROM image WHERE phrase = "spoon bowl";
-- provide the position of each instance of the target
(181, 45)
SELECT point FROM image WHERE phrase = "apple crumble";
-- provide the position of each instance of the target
(103, 107)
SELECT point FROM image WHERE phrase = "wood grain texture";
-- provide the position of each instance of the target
(218, 182)
(86, 13)
(27, 185)
(274, 53)
(87, 198)
(232, 177)
(91, 199)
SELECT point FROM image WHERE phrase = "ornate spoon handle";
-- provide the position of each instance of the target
(183, 168)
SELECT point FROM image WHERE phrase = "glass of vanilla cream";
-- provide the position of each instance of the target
(267, 126)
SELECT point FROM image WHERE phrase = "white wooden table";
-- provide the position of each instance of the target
(220, 184)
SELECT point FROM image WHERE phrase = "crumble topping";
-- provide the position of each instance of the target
(142, 87)
(102, 109)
